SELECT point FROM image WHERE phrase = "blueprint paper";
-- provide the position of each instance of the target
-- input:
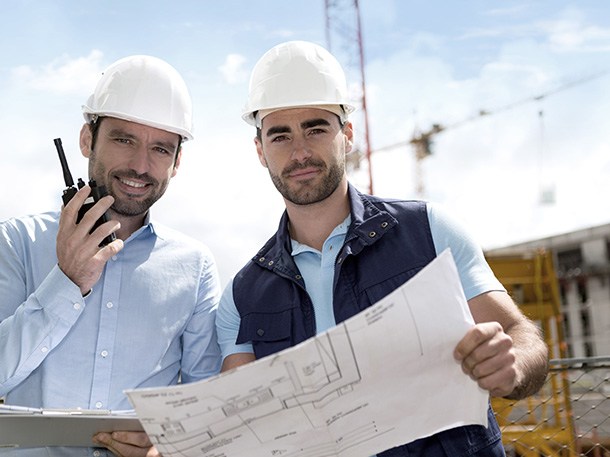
(383, 378)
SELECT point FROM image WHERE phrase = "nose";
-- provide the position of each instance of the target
(300, 149)
(139, 160)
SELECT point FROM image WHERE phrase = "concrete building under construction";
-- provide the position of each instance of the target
(582, 264)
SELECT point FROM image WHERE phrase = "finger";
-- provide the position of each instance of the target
(489, 356)
(501, 382)
(103, 231)
(106, 252)
(95, 212)
(69, 217)
(490, 359)
(122, 443)
(152, 452)
(105, 439)
(69, 212)
(475, 336)
(139, 439)
(87, 246)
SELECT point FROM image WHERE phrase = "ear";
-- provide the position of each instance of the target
(177, 164)
(260, 152)
(348, 135)
(85, 140)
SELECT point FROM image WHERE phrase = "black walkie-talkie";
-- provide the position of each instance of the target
(97, 192)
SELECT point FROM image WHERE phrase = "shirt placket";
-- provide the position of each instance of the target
(104, 354)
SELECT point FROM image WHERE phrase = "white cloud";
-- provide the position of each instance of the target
(571, 32)
(62, 75)
(510, 11)
(233, 69)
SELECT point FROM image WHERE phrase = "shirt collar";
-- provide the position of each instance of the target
(151, 227)
(339, 230)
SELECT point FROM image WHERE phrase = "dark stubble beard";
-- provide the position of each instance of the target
(123, 206)
(308, 193)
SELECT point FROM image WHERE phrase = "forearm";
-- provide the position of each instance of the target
(531, 358)
(29, 334)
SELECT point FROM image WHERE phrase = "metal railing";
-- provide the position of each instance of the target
(569, 417)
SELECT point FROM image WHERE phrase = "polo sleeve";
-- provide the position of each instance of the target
(228, 321)
(475, 273)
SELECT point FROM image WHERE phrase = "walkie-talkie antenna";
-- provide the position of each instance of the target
(64, 164)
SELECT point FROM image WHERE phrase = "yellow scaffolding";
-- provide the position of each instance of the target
(541, 425)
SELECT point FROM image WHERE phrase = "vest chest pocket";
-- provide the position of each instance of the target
(377, 291)
(268, 332)
(265, 327)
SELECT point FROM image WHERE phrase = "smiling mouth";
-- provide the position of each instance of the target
(130, 183)
(132, 187)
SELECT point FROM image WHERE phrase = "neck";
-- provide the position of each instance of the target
(311, 224)
(129, 224)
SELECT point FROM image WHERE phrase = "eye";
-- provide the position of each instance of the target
(123, 140)
(163, 151)
(279, 139)
(316, 131)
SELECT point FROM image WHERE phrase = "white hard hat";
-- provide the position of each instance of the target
(295, 74)
(146, 90)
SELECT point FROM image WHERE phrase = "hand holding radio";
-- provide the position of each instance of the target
(85, 239)
(97, 192)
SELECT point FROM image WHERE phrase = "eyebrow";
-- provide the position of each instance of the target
(304, 125)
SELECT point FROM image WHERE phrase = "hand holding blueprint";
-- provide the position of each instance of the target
(383, 378)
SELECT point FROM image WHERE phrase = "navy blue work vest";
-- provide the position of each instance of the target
(387, 243)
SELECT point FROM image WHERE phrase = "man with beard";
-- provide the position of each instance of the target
(80, 323)
(338, 251)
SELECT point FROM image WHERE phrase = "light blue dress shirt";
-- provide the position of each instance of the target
(149, 320)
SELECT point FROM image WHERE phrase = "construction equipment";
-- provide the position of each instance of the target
(422, 140)
(540, 425)
(344, 40)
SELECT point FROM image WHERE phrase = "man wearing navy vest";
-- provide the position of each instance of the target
(338, 251)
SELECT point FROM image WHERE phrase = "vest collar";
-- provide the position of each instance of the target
(369, 224)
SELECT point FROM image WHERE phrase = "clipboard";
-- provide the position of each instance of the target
(40, 428)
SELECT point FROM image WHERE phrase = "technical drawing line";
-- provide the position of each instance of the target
(414, 321)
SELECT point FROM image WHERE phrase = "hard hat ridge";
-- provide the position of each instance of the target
(146, 90)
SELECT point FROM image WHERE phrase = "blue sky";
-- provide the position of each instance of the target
(427, 62)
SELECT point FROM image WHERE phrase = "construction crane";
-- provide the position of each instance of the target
(422, 141)
(344, 40)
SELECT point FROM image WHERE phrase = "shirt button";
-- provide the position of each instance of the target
(104, 353)
(109, 305)
(76, 306)
(44, 349)
(97, 453)
(98, 405)
(114, 257)
(260, 332)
